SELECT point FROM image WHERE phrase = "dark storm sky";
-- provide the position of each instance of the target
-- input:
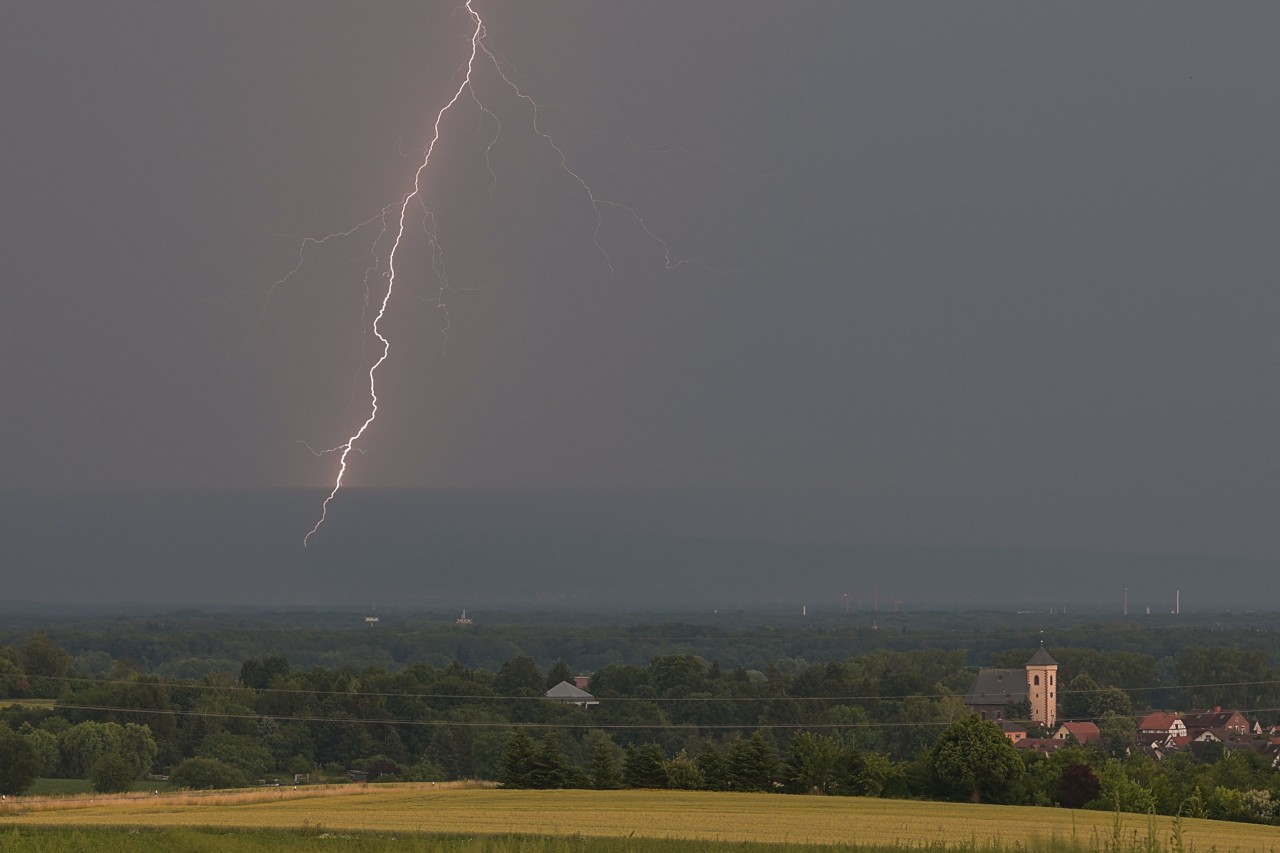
(995, 274)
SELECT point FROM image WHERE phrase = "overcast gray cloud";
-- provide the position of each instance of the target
(991, 274)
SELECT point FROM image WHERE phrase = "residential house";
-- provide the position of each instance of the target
(1013, 731)
(1162, 723)
(1270, 750)
(1043, 745)
(571, 695)
(1202, 721)
(1083, 733)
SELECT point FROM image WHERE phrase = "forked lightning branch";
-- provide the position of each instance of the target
(479, 59)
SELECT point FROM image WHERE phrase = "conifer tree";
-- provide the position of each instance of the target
(715, 768)
(605, 773)
(753, 763)
(549, 766)
(517, 761)
(558, 673)
(643, 767)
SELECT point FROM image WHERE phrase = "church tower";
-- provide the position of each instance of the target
(1042, 687)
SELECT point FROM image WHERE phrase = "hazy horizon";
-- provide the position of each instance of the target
(549, 550)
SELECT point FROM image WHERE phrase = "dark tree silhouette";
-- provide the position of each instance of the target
(1077, 786)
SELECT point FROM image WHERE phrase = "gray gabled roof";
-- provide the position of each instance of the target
(1042, 658)
(997, 687)
(566, 691)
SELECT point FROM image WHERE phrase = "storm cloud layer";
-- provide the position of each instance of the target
(985, 276)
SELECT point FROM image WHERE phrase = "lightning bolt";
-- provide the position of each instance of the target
(345, 448)
(399, 212)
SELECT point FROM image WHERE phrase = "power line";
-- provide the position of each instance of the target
(584, 726)
(304, 691)
(486, 724)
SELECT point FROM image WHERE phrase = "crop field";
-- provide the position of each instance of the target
(471, 811)
(41, 840)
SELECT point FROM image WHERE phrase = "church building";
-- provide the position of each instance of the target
(994, 690)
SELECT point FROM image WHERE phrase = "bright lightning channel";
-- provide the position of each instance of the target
(465, 87)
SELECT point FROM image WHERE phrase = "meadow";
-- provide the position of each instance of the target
(449, 817)
(42, 704)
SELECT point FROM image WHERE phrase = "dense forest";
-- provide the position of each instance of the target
(192, 644)
(871, 709)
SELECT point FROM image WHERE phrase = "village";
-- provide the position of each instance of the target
(1206, 734)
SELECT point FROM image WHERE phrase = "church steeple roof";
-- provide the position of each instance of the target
(1042, 658)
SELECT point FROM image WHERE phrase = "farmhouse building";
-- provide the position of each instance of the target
(1162, 723)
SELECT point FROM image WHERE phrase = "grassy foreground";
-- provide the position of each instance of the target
(479, 814)
(45, 840)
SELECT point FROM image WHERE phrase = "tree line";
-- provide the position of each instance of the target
(870, 724)
(970, 759)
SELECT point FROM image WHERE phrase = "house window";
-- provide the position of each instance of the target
(1037, 681)
(1051, 681)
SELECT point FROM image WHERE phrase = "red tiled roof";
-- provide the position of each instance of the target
(1158, 721)
(1084, 732)
(1215, 719)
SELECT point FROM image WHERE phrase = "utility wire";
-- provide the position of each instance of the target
(304, 691)
(485, 724)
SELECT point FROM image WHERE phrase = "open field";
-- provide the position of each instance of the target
(46, 787)
(44, 704)
(421, 808)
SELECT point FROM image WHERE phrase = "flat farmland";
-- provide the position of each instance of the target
(421, 808)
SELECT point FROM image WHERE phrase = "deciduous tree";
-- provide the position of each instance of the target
(1077, 786)
(84, 743)
(519, 677)
(812, 765)
(973, 759)
(683, 772)
(46, 747)
(19, 763)
(206, 774)
(111, 774)
(1116, 733)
